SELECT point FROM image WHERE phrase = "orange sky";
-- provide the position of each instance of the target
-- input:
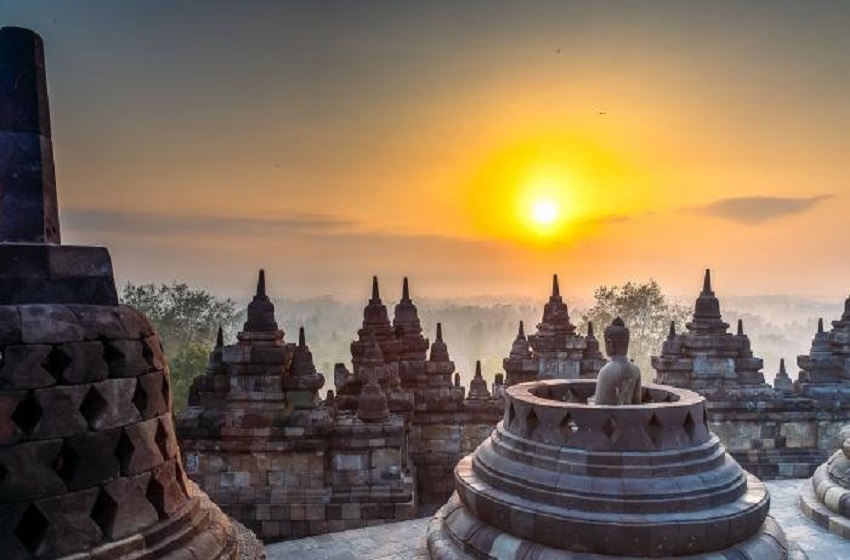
(328, 143)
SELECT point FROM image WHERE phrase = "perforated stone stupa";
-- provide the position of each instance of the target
(560, 478)
(90, 467)
(555, 350)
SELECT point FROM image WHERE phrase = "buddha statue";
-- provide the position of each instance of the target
(618, 382)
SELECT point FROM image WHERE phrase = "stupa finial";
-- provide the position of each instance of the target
(376, 294)
(740, 327)
(706, 282)
(672, 332)
(556, 289)
(820, 325)
(219, 338)
(302, 340)
(521, 333)
(261, 284)
(439, 332)
(405, 290)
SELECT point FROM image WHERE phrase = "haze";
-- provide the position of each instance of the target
(331, 141)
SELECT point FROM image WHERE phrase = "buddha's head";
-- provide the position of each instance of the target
(616, 338)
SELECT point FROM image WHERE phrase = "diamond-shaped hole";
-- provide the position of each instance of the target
(166, 386)
(93, 407)
(140, 399)
(531, 423)
(611, 429)
(162, 440)
(66, 463)
(103, 513)
(56, 363)
(181, 478)
(114, 358)
(568, 426)
(655, 430)
(156, 496)
(124, 451)
(147, 353)
(690, 426)
(31, 529)
(27, 414)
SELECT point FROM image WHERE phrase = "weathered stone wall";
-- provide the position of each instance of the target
(777, 440)
(439, 442)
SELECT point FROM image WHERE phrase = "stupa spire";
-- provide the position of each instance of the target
(302, 342)
(556, 289)
(261, 284)
(219, 338)
(740, 327)
(590, 329)
(439, 332)
(820, 325)
(405, 290)
(521, 333)
(376, 294)
(672, 332)
(706, 283)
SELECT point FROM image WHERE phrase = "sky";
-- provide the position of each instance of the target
(476, 147)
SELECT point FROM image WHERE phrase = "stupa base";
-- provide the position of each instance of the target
(455, 534)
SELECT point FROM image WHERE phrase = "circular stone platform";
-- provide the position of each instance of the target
(826, 498)
(558, 476)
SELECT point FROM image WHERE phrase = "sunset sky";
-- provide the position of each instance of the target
(476, 147)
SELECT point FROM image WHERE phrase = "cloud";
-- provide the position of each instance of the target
(758, 209)
(146, 224)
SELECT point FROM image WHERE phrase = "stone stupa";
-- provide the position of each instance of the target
(563, 479)
(90, 467)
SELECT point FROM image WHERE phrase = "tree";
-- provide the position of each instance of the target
(647, 314)
(186, 321)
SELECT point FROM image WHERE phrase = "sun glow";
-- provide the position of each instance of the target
(544, 211)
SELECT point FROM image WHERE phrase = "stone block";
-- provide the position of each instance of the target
(10, 325)
(149, 396)
(125, 358)
(29, 472)
(23, 367)
(61, 415)
(69, 526)
(88, 460)
(124, 508)
(138, 450)
(49, 324)
(85, 362)
(164, 491)
(135, 323)
(98, 322)
(109, 404)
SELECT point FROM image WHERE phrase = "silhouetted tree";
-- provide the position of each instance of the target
(646, 312)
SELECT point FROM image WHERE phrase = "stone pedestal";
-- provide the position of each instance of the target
(826, 498)
(561, 479)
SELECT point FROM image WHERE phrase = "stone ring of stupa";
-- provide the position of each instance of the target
(560, 478)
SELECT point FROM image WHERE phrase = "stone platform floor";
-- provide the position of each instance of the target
(405, 540)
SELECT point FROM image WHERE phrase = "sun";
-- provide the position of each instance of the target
(544, 212)
(545, 202)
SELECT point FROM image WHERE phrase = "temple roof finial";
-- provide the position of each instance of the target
(405, 290)
(478, 369)
(706, 283)
(782, 367)
(820, 325)
(439, 332)
(521, 333)
(219, 338)
(672, 332)
(590, 329)
(302, 340)
(556, 289)
(740, 327)
(376, 294)
(261, 284)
